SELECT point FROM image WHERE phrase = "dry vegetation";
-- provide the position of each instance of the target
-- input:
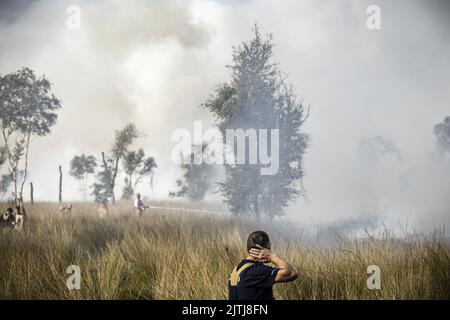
(170, 255)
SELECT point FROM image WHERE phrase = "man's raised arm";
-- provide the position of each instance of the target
(285, 272)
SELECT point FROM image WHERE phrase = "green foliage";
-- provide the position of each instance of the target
(103, 189)
(257, 97)
(197, 178)
(132, 160)
(26, 103)
(27, 108)
(81, 167)
(123, 139)
(3, 155)
(148, 166)
(5, 183)
(136, 167)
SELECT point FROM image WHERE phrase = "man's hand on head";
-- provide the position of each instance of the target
(261, 254)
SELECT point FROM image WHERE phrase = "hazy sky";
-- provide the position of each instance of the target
(155, 62)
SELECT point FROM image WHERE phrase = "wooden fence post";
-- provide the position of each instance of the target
(31, 192)
(60, 184)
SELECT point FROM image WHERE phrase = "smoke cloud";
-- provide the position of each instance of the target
(154, 62)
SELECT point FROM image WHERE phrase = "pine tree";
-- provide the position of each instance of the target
(257, 97)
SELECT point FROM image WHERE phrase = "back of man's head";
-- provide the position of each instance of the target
(258, 237)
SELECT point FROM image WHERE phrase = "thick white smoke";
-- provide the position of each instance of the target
(154, 62)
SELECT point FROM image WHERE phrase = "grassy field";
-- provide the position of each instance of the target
(177, 255)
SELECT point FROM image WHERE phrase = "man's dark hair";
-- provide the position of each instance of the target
(258, 237)
(9, 210)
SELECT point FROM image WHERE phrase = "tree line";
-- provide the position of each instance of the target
(134, 164)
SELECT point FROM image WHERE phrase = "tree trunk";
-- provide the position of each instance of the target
(83, 187)
(256, 208)
(113, 182)
(12, 166)
(16, 196)
(25, 170)
(31, 192)
(151, 184)
(60, 184)
(256, 198)
(113, 177)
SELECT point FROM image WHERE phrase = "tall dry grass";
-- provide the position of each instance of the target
(172, 255)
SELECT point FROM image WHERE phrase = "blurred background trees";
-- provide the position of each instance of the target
(27, 108)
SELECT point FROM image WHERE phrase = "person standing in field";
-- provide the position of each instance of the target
(102, 209)
(139, 205)
(252, 279)
(7, 220)
(19, 217)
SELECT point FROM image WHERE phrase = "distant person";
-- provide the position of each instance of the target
(66, 209)
(19, 216)
(7, 220)
(102, 210)
(139, 206)
(252, 279)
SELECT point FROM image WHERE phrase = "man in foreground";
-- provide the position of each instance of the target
(252, 279)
